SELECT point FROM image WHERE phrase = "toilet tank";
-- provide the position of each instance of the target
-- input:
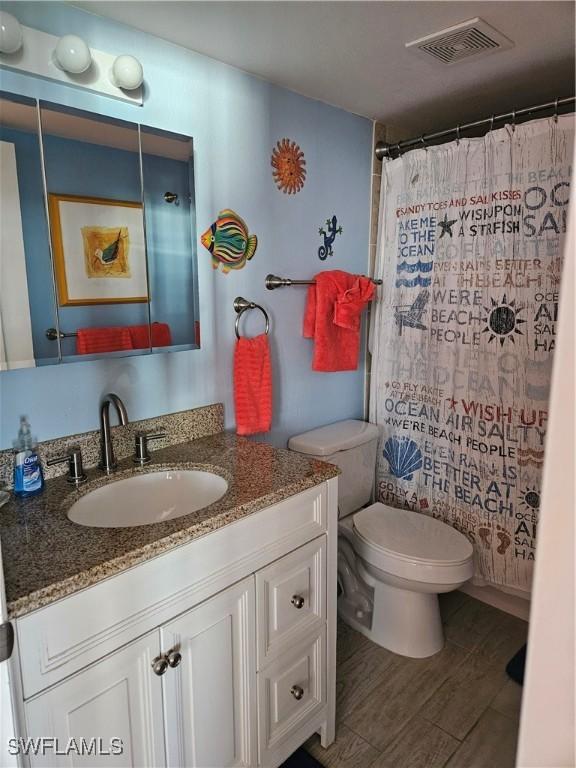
(351, 445)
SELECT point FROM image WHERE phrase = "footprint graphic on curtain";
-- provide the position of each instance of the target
(502, 535)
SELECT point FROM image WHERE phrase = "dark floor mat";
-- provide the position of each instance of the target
(515, 667)
(301, 759)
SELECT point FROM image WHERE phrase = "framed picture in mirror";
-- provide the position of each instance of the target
(99, 250)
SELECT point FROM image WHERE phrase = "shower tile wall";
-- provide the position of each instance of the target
(379, 134)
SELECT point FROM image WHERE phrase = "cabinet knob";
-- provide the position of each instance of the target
(160, 665)
(297, 691)
(297, 601)
(173, 658)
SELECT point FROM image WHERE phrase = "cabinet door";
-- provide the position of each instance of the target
(118, 698)
(210, 698)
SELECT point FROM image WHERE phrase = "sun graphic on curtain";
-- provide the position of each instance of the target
(502, 320)
(288, 163)
(530, 498)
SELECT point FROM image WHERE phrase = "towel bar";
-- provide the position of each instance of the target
(273, 281)
(52, 334)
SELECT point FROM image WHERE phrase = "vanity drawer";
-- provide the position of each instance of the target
(291, 599)
(291, 691)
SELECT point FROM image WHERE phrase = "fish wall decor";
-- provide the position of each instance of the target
(228, 241)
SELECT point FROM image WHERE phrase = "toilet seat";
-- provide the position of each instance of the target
(411, 545)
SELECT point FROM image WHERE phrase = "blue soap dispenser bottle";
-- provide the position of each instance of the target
(28, 477)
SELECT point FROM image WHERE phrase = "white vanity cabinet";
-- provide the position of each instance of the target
(117, 698)
(218, 653)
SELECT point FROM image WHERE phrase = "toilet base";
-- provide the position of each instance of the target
(407, 623)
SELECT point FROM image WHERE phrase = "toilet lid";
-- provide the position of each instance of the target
(412, 536)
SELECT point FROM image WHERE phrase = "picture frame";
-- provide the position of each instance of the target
(99, 250)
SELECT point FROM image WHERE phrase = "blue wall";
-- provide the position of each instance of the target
(235, 120)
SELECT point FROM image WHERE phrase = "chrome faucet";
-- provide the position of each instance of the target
(107, 461)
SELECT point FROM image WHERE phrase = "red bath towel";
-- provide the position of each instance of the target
(332, 318)
(91, 341)
(140, 335)
(252, 385)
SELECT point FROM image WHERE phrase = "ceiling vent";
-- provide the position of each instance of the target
(470, 38)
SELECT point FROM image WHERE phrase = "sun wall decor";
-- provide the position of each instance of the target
(289, 166)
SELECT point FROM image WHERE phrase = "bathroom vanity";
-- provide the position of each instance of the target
(207, 640)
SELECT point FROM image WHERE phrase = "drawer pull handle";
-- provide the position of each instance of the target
(297, 601)
(297, 691)
(160, 665)
(173, 658)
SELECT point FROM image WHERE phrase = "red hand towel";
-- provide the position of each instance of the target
(90, 341)
(252, 385)
(332, 318)
(140, 335)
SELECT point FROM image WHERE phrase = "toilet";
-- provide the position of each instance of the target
(392, 563)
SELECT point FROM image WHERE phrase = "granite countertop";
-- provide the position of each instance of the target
(46, 556)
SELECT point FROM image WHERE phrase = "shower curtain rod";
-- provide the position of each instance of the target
(384, 150)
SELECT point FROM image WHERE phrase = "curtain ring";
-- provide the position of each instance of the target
(556, 109)
(513, 119)
(423, 140)
(492, 123)
(458, 134)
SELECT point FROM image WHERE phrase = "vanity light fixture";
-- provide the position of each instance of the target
(72, 54)
(10, 33)
(64, 58)
(127, 72)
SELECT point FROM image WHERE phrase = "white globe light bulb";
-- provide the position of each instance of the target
(72, 54)
(127, 72)
(10, 33)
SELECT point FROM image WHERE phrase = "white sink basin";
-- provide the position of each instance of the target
(147, 499)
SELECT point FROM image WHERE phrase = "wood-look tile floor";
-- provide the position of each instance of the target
(457, 709)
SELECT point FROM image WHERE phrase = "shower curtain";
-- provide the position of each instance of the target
(470, 250)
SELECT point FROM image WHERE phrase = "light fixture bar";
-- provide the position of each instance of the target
(36, 57)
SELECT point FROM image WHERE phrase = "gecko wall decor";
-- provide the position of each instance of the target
(328, 233)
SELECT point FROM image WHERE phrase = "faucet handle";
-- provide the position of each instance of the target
(141, 455)
(76, 472)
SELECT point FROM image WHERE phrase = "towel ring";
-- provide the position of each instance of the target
(240, 306)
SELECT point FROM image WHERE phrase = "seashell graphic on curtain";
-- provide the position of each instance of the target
(470, 250)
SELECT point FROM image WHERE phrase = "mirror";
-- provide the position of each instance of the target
(27, 304)
(168, 177)
(94, 194)
(110, 269)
